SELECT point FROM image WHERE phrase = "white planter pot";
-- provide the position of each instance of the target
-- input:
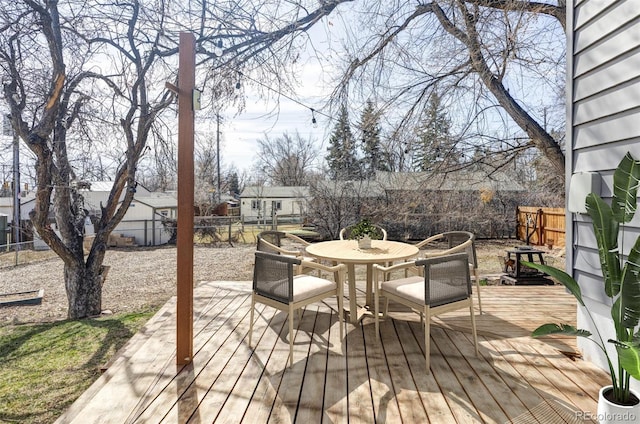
(611, 413)
(364, 242)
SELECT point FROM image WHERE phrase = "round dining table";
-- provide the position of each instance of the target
(348, 252)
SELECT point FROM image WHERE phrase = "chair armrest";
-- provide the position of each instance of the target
(322, 267)
(429, 240)
(396, 267)
(281, 250)
(297, 239)
(455, 249)
(386, 270)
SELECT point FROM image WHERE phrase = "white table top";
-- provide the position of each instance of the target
(347, 251)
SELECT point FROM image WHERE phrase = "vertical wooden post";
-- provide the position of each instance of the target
(186, 84)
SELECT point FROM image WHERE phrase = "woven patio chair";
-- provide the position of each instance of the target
(275, 285)
(457, 241)
(287, 244)
(444, 286)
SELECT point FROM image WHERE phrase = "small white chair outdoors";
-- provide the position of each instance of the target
(444, 286)
(274, 242)
(275, 285)
(457, 241)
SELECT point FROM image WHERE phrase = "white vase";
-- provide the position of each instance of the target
(364, 242)
(611, 413)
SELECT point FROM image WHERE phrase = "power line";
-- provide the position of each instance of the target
(286, 96)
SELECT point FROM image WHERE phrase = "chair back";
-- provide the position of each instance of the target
(446, 279)
(456, 238)
(273, 276)
(271, 238)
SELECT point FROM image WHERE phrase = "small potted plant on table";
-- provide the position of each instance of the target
(621, 281)
(364, 231)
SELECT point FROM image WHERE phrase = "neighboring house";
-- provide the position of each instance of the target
(603, 93)
(462, 180)
(144, 217)
(258, 202)
(26, 204)
(97, 192)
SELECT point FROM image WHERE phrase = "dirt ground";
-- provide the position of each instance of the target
(142, 278)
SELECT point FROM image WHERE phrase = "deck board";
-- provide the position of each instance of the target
(356, 379)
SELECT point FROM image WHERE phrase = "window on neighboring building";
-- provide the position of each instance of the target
(255, 204)
(277, 205)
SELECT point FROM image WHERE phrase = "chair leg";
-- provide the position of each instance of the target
(376, 301)
(386, 307)
(291, 313)
(427, 339)
(253, 305)
(340, 312)
(473, 326)
(477, 277)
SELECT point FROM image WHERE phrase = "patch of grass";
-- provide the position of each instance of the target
(45, 367)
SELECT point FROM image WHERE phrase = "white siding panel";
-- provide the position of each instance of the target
(617, 100)
(594, 159)
(603, 95)
(588, 9)
(616, 72)
(592, 287)
(604, 131)
(137, 211)
(584, 236)
(607, 50)
(617, 16)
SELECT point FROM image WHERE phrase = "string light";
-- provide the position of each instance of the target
(218, 50)
(314, 122)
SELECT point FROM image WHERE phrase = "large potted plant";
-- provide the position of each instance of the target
(621, 280)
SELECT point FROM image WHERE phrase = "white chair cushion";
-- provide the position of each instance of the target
(410, 288)
(307, 286)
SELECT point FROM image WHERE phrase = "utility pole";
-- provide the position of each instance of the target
(218, 156)
(16, 190)
(8, 131)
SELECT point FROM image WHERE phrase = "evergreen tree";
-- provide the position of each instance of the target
(374, 158)
(435, 146)
(342, 159)
(234, 184)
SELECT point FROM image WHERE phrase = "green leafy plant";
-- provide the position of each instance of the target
(621, 278)
(364, 227)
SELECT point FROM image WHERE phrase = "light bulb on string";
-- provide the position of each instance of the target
(218, 49)
(314, 122)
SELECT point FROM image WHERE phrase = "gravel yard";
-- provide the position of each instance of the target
(139, 278)
(142, 278)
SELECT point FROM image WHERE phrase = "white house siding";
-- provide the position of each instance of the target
(293, 201)
(603, 123)
(143, 219)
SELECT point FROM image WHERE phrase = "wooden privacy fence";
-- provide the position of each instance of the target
(542, 226)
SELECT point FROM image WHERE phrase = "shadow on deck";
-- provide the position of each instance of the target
(515, 379)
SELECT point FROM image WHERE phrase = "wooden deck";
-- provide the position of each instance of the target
(515, 379)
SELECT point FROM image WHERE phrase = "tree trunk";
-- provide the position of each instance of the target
(84, 290)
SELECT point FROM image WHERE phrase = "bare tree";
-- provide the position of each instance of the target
(497, 64)
(287, 160)
(60, 59)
